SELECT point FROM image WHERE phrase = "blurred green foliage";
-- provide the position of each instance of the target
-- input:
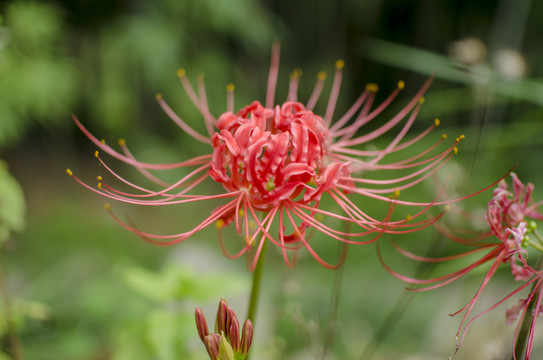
(82, 288)
(37, 79)
(12, 204)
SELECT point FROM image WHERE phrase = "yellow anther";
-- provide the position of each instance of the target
(340, 64)
(200, 76)
(219, 224)
(447, 207)
(296, 73)
(421, 100)
(103, 141)
(461, 137)
(99, 186)
(455, 150)
(321, 75)
(107, 206)
(395, 195)
(408, 217)
(401, 84)
(181, 72)
(158, 96)
(230, 87)
(444, 136)
(241, 213)
(99, 178)
(372, 87)
(121, 142)
(69, 172)
(96, 154)
(437, 122)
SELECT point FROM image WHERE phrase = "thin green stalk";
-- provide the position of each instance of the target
(538, 237)
(15, 344)
(255, 287)
(522, 337)
(536, 246)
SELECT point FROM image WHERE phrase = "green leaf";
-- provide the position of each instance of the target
(174, 282)
(429, 63)
(169, 332)
(12, 204)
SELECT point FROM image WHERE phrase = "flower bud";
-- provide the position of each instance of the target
(212, 343)
(246, 337)
(234, 334)
(222, 317)
(201, 324)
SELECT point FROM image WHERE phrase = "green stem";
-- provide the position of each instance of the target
(536, 246)
(538, 237)
(522, 337)
(255, 287)
(15, 344)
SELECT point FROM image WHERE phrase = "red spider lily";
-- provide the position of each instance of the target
(276, 163)
(508, 209)
(507, 215)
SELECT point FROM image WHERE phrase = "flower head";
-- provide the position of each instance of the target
(506, 210)
(507, 215)
(277, 162)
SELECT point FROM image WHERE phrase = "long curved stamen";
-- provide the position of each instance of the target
(315, 94)
(209, 120)
(106, 148)
(272, 77)
(230, 97)
(336, 84)
(177, 120)
(350, 113)
(293, 85)
(141, 170)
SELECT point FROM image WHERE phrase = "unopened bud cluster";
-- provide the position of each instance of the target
(226, 343)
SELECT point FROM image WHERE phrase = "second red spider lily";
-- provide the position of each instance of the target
(277, 162)
(510, 218)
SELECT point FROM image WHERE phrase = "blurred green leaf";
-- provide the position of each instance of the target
(180, 283)
(37, 81)
(430, 63)
(12, 204)
(169, 332)
(33, 25)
